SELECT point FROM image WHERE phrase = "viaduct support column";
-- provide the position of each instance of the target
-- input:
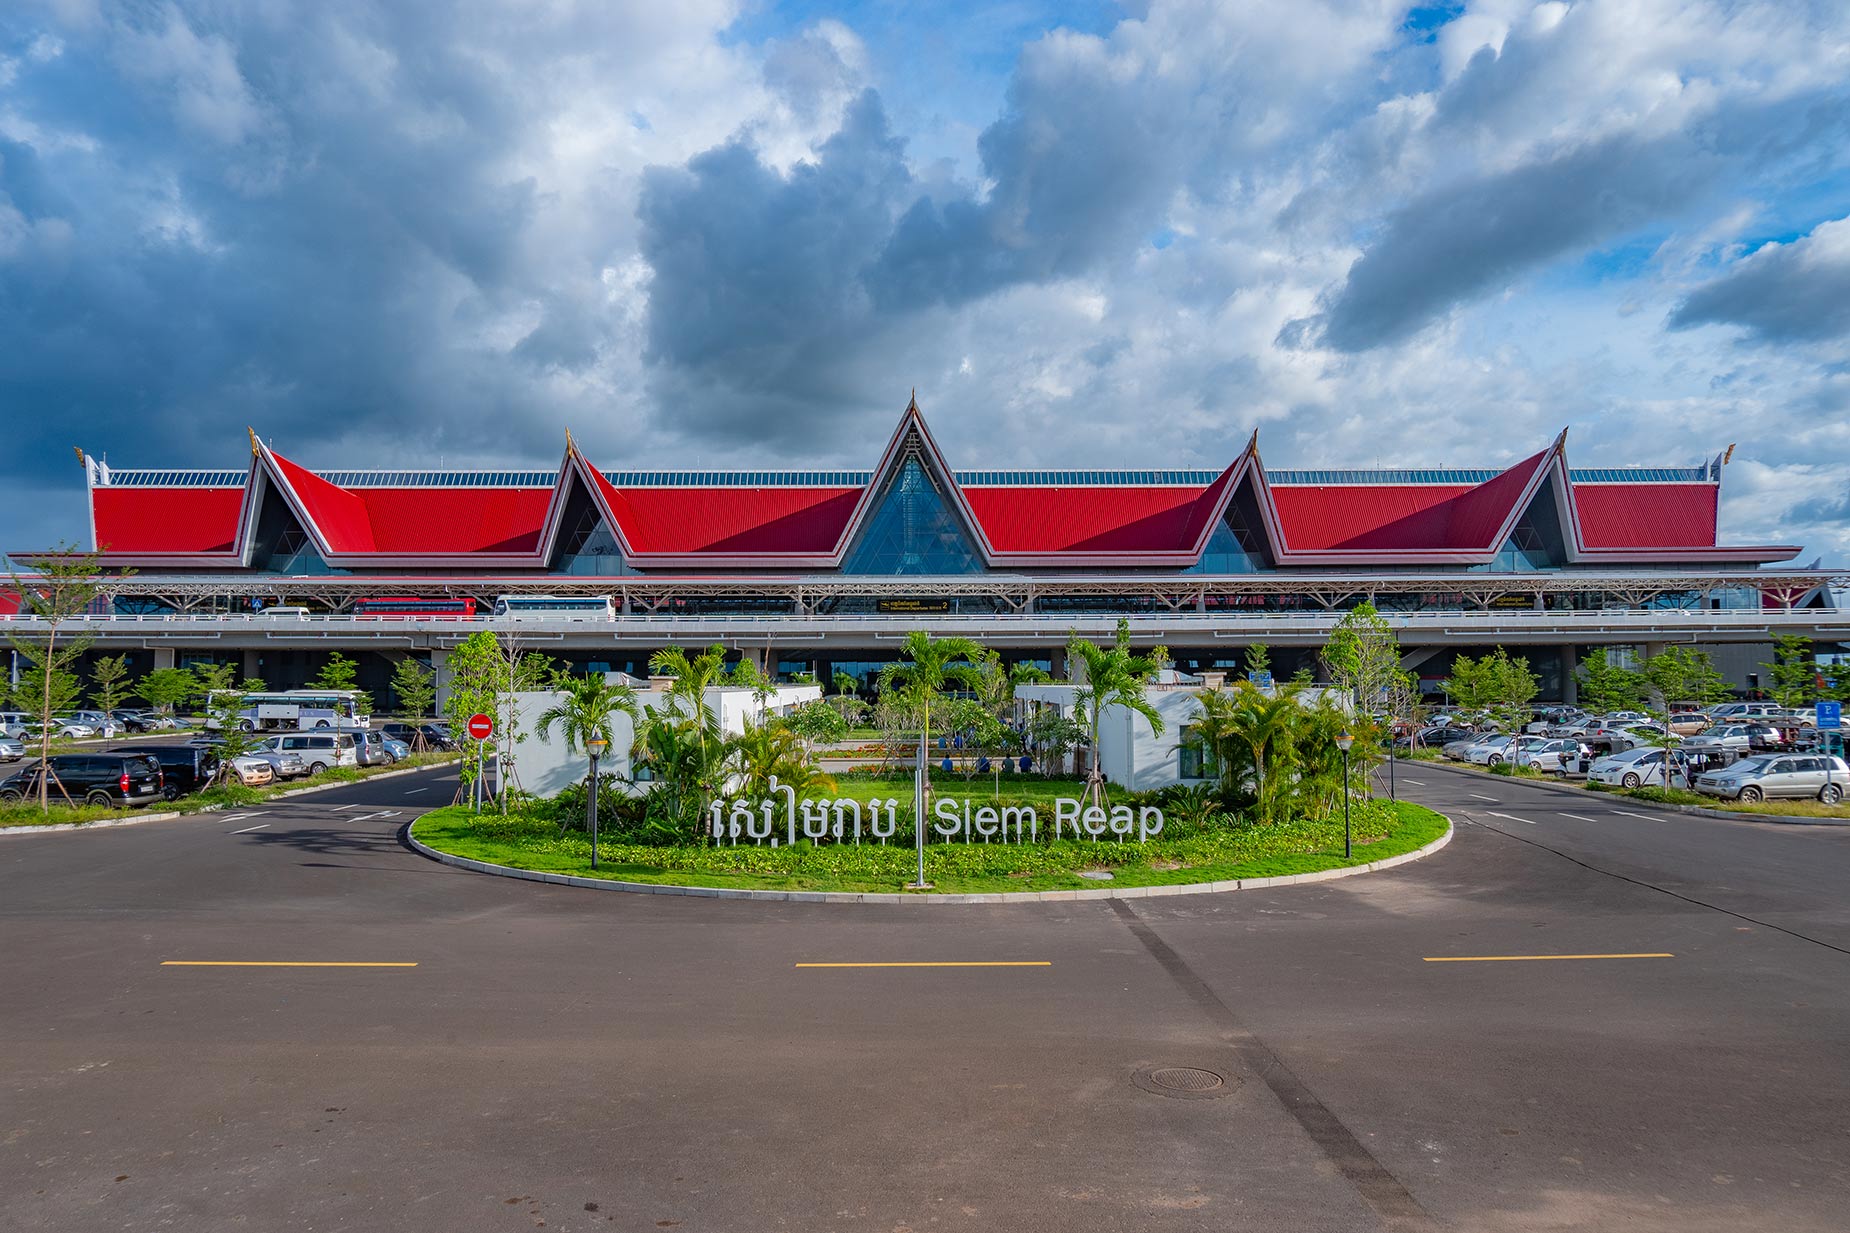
(163, 657)
(251, 668)
(440, 667)
(1570, 684)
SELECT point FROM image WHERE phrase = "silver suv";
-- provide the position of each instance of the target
(1771, 775)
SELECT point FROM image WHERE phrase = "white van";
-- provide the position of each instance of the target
(319, 750)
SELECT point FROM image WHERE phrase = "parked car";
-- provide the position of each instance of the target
(1740, 736)
(1733, 711)
(320, 750)
(1550, 754)
(14, 723)
(184, 768)
(100, 723)
(1549, 717)
(437, 737)
(113, 779)
(129, 721)
(252, 772)
(1435, 737)
(398, 731)
(11, 750)
(397, 748)
(1480, 752)
(1779, 775)
(1455, 750)
(288, 763)
(1632, 769)
(61, 730)
(369, 747)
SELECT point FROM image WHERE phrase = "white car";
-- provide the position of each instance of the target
(1552, 754)
(67, 729)
(1482, 752)
(11, 750)
(99, 723)
(1635, 768)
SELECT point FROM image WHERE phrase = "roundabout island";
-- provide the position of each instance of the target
(1028, 839)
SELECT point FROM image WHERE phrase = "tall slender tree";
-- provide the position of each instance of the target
(930, 665)
(1115, 676)
(59, 589)
(108, 682)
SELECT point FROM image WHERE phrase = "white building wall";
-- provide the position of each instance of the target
(543, 766)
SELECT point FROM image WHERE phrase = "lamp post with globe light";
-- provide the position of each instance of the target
(1343, 742)
(595, 746)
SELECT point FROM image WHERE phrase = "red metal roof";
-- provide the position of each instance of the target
(770, 520)
(339, 514)
(446, 520)
(1626, 516)
(166, 520)
(1402, 517)
(702, 527)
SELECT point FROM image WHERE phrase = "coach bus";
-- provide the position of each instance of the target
(556, 607)
(413, 606)
(290, 709)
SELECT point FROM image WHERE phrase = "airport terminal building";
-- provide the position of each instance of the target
(815, 571)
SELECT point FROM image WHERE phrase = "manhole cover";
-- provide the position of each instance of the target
(1183, 1082)
(1185, 1079)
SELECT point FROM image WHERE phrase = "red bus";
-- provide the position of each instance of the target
(411, 606)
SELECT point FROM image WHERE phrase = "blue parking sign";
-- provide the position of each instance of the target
(1830, 715)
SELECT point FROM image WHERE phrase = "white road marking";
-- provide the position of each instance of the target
(1491, 799)
(1579, 817)
(339, 808)
(1418, 783)
(1628, 813)
(413, 791)
(239, 817)
(1506, 817)
(247, 830)
(368, 817)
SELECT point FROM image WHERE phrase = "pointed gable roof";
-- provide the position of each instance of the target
(1370, 523)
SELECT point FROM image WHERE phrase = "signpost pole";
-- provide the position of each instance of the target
(918, 812)
(1830, 720)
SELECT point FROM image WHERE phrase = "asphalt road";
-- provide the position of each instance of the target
(582, 1060)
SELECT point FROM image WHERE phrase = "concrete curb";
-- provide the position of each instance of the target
(171, 814)
(1727, 815)
(1061, 896)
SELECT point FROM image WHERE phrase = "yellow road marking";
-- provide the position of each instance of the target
(1519, 958)
(269, 963)
(993, 963)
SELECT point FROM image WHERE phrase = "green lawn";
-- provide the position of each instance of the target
(1382, 829)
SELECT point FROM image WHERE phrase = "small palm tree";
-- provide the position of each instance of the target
(1115, 676)
(930, 665)
(589, 705)
(1262, 725)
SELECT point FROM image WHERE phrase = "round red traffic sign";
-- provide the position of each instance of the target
(481, 727)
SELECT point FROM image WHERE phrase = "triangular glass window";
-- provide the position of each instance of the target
(282, 544)
(587, 546)
(1536, 543)
(913, 530)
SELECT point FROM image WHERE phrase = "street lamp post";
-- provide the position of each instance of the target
(1343, 742)
(595, 747)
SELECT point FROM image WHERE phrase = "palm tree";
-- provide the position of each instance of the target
(931, 664)
(693, 677)
(590, 703)
(1115, 676)
(1260, 725)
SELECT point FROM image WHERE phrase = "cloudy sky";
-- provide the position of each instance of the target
(1090, 234)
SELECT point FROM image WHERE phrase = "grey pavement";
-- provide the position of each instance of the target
(575, 1059)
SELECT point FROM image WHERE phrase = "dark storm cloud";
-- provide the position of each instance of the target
(1798, 292)
(1463, 241)
(275, 217)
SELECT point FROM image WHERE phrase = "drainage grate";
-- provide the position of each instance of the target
(1183, 1082)
(1186, 1079)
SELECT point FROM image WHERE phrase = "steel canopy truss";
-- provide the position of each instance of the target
(1016, 593)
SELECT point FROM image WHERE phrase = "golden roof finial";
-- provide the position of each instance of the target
(255, 448)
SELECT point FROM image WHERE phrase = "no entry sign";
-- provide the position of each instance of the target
(481, 727)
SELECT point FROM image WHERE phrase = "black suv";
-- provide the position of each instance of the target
(185, 768)
(93, 779)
